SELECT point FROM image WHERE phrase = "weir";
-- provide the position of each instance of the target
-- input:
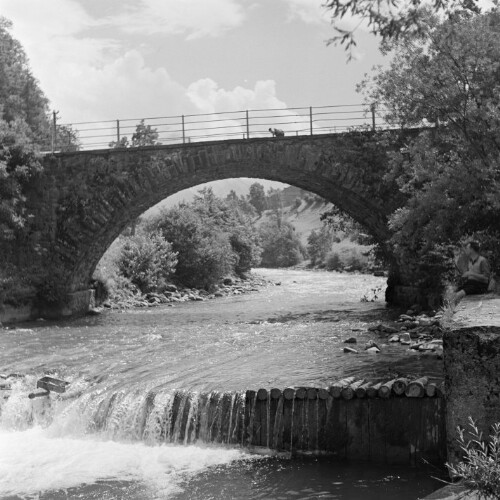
(342, 421)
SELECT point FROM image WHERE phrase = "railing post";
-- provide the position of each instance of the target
(118, 132)
(311, 120)
(248, 125)
(372, 109)
(54, 130)
(183, 131)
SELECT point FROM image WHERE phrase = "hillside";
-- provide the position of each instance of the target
(220, 188)
(304, 218)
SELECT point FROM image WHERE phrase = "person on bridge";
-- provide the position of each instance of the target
(276, 132)
(475, 271)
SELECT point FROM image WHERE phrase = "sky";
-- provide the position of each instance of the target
(116, 59)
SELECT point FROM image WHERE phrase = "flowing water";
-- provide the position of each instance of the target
(113, 434)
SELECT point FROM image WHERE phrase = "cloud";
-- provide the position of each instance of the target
(206, 95)
(193, 18)
(308, 12)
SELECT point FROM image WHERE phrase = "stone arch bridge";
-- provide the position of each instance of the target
(83, 200)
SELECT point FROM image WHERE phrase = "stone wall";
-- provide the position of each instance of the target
(472, 378)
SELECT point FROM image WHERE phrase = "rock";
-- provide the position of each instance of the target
(416, 346)
(394, 338)
(228, 281)
(94, 311)
(171, 288)
(351, 340)
(373, 350)
(371, 344)
(406, 317)
(350, 350)
(404, 338)
(375, 328)
(218, 294)
(388, 329)
(425, 321)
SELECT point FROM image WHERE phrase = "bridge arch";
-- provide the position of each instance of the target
(83, 200)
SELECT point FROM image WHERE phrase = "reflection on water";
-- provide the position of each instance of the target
(289, 334)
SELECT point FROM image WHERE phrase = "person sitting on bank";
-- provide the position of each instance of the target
(276, 132)
(475, 273)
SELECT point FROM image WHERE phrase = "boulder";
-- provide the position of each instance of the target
(351, 340)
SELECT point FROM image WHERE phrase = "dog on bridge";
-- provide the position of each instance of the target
(276, 132)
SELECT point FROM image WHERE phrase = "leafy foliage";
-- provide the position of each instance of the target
(480, 468)
(449, 172)
(390, 19)
(144, 135)
(281, 244)
(147, 261)
(212, 238)
(319, 243)
(257, 197)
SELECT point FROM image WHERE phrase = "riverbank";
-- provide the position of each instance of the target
(227, 287)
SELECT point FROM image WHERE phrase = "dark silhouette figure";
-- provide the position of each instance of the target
(276, 132)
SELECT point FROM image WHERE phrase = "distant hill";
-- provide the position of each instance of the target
(301, 209)
(221, 189)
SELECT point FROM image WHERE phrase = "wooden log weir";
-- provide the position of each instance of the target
(394, 430)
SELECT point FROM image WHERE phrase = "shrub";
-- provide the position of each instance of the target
(147, 261)
(350, 256)
(333, 262)
(480, 468)
(281, 245)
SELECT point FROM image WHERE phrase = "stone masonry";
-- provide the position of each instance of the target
(84, 200)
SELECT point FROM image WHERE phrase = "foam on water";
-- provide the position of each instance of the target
(34, 461)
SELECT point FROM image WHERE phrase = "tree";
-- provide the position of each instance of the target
(212, 238)
(281, 244)
(390, 19)
(21, 98)
(144, 135)
(319, 243)
(257, 197)
(147, 261)
(450, 172)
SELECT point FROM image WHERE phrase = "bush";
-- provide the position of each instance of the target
(15, 288)
(480, 469)
(147, 261)
(333, 262)
(349, 256)
(281, 245)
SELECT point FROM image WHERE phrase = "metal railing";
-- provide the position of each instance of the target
(243, 124)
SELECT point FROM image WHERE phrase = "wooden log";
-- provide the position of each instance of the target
(336, 388)
(361, 390)
(372, 391)
(262, 394)
(323, 394)
(416, 388)
(399, 386)
(312, 393)
(385, 390)
(431, 390)
(348, 392)
(250, 401)
(301, 393)
(275, 393)
(289, 393)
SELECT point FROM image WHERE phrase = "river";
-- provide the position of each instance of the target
(290, 333)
